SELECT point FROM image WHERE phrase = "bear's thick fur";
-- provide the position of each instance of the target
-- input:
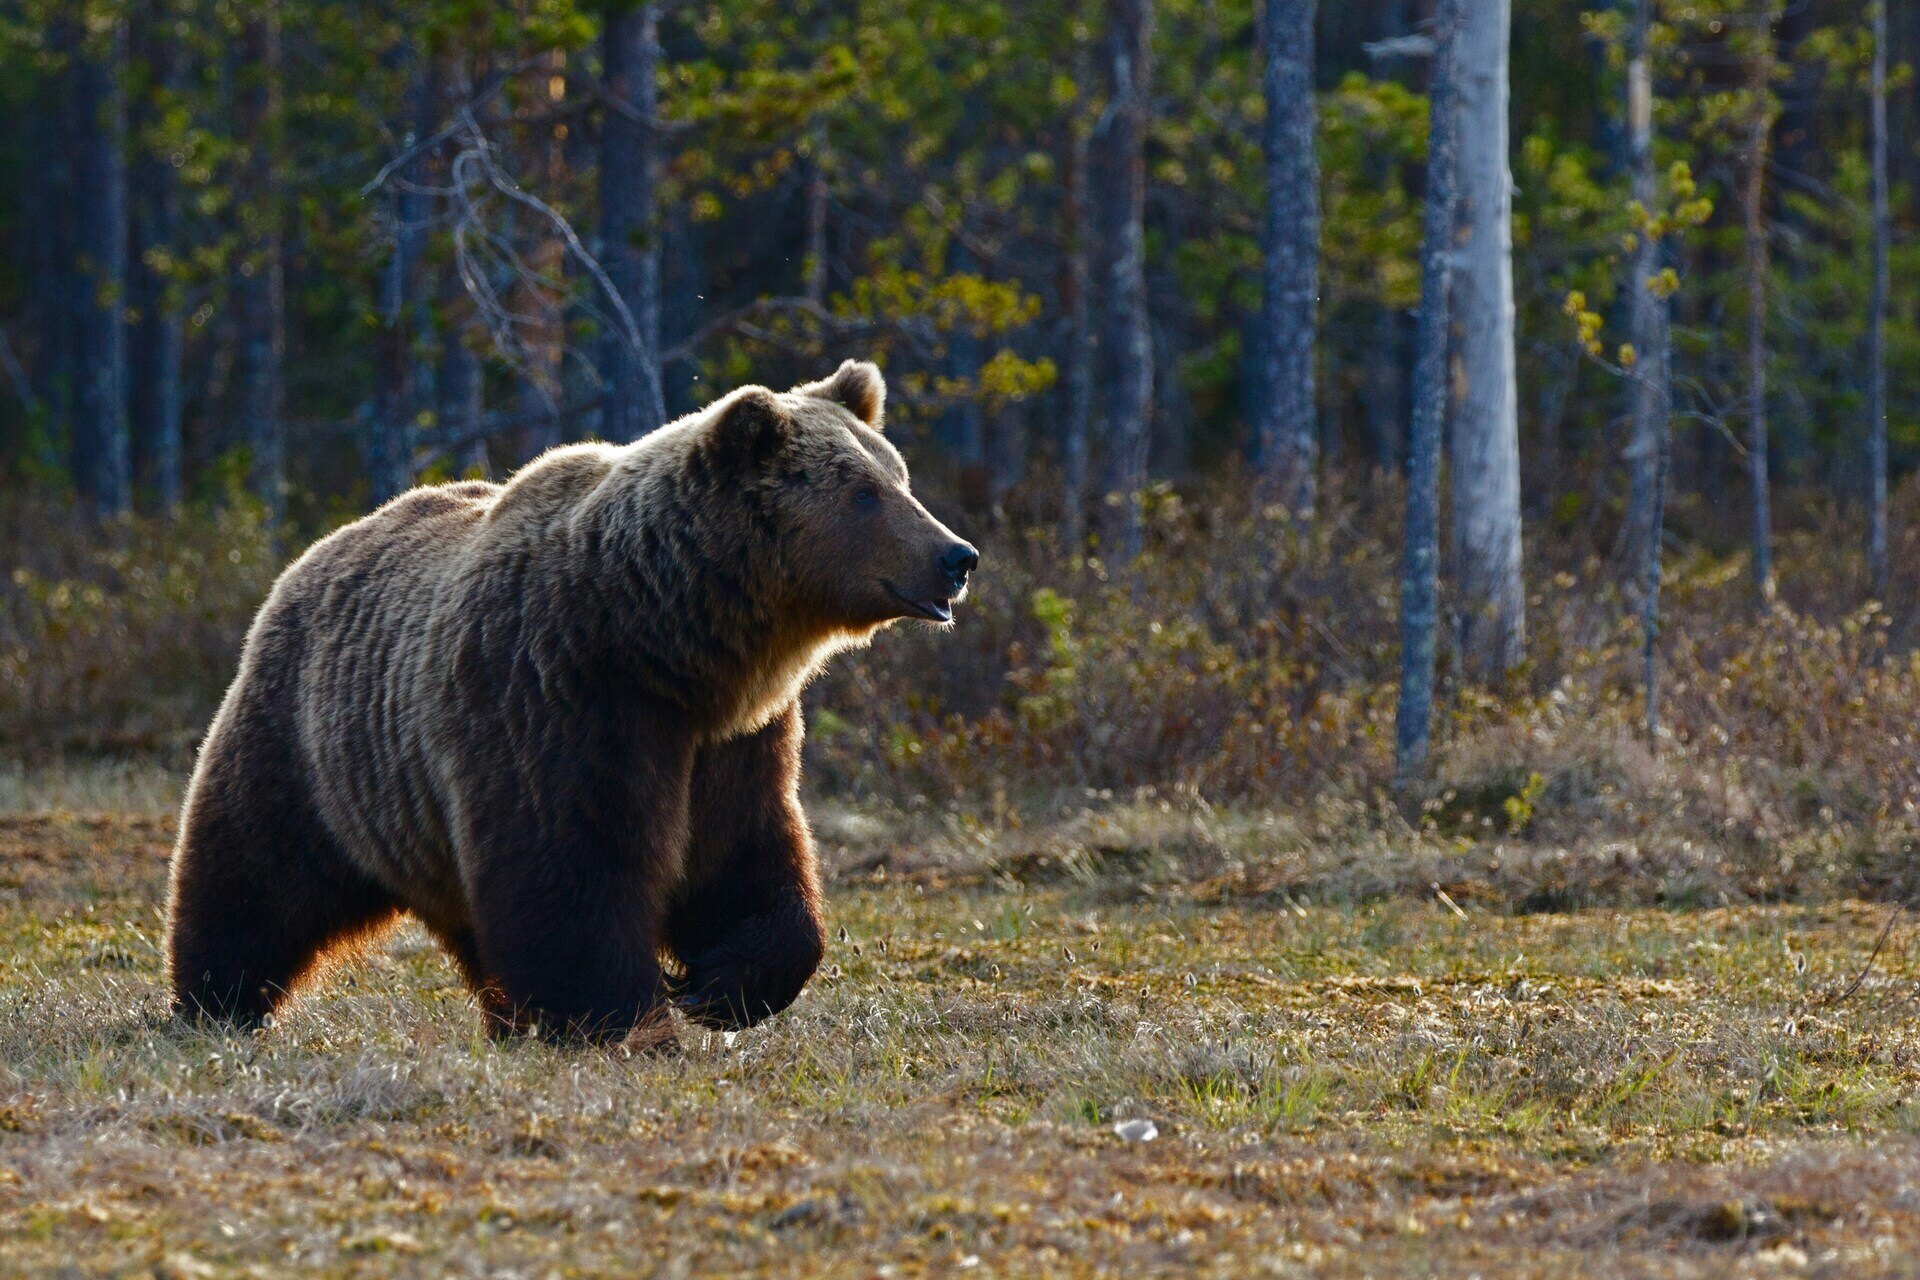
(557, 719)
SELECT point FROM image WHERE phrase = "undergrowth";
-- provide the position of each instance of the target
(1244, 662)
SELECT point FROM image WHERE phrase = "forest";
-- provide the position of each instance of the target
(1140, 278)
(1433, 729)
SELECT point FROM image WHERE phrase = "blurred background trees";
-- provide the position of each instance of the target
(1117, 257)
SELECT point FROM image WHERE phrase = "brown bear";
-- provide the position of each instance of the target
(558, 720)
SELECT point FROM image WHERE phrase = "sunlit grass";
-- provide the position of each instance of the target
(1371, 1086)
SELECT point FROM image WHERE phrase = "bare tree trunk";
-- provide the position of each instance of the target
(1760, 75)
(1420, 574)
(156, 395)
(1486, 434)
(460, 389)
(1291, 250)
(1079, 353)
(1122, 195)
(1877, 319)
(1650, 590)
(390, 451)
(1648, 325)
(53, 327)
(259, 282)
(1650, 453)
(630, 245)
(540, 375)
(398, 397)
(102, 459)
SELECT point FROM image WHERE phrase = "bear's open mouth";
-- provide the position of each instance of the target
(931, 610)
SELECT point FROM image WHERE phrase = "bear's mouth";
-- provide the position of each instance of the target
(931, 610)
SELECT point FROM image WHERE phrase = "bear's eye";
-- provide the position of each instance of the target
(866, 496)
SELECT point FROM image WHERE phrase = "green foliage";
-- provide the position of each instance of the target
(1373, 136)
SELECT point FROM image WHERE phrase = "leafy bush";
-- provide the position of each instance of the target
(124, 640)
(1245, 661)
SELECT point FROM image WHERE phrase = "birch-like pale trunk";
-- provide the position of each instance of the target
(1647, 325)
(1420, 571)
(1121, 191)
(630, 249)
(1485, 459)
(1877, 318)
(1290, 248)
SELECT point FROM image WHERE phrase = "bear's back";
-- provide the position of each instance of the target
(356, 618)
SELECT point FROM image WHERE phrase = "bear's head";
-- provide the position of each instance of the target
(855, 548)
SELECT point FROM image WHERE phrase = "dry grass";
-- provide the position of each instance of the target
(1349, 1085)
(133, 785)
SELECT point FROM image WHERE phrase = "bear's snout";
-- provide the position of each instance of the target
(957, 562)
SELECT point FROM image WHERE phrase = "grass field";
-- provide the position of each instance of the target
(1393, 1084)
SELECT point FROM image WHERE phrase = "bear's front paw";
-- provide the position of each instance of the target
(731, 997)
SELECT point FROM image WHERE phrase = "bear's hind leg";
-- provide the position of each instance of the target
(259, 893)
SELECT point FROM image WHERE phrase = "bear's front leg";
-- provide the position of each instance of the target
(746, 924)
(568, 874)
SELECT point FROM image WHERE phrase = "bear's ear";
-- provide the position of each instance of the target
(856, 386)
(748, 427)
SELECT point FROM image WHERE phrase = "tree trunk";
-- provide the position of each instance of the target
(259, 282)
(962, 428)
(1648, 325)
(542, 368)
(52, 332)
(1079, 354)
(1486, 433)
(102, 460)
(156, 394)
(1877, 319)
(1420, 573)
(398, 393)
(460, 388)
(1291, 251)
(631, 55)
(1649, 454)
(1121, 191)
(1760, 75)
(1650, 590)
(1383, 392)
(390, 451)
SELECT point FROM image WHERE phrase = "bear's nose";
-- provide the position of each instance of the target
(959, 561)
